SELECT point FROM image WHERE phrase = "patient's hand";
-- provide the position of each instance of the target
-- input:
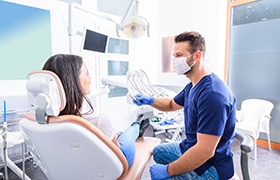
(118, 134)
(114, 140)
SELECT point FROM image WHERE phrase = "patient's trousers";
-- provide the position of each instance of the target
(127, 142)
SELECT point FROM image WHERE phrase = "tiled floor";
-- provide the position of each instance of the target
(267, 167)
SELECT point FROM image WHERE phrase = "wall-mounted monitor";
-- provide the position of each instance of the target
(94, 41)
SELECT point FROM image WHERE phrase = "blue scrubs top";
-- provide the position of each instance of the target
(210, 108)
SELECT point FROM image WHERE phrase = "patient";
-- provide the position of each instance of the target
(75, 79)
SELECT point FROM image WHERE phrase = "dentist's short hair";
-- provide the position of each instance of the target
(196, 41)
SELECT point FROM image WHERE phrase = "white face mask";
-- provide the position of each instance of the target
(180, 65)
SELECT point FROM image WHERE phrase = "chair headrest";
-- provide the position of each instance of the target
(45, 94)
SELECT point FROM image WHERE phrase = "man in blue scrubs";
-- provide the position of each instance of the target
(209, 116)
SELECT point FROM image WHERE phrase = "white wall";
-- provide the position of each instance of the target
(169, 18)
(166, 17)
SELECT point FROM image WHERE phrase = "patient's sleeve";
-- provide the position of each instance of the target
(103, 123)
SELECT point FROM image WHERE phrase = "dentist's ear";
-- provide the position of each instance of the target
(198, 55)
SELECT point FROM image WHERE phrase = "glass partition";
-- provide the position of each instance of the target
(254, 55)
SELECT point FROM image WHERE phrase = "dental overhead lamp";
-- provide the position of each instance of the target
(132, 26)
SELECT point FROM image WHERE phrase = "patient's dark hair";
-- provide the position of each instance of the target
(68, 68)
(196, 41)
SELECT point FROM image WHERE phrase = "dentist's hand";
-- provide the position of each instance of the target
(143, 100)
(159, 171)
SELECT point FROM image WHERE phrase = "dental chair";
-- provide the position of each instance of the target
(70, 147)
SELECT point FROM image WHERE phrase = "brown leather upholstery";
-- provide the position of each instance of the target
(144, 147)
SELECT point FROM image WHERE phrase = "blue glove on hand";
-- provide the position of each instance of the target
(142, 99)
(159, 171)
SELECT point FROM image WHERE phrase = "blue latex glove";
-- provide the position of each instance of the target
(167, 122)
(143, 100)
(159, 171)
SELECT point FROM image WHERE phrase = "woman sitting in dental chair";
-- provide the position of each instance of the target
(76, 81)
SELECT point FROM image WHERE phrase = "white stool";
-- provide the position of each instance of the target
(14, 138)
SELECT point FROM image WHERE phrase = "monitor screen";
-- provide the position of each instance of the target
(94, 41)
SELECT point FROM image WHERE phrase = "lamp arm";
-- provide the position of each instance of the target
(71, 30)
(148, 29)
(136, 7)
(130, 7)
(117, 29)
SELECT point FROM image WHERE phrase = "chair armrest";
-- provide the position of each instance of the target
(267, 116)
(245, 141)
(246, 146)
(264, 123)
(238, 115)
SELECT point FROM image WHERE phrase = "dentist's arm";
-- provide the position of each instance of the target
(203, 150)
(162, 104)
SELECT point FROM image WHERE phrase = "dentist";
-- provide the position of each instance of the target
(209, 116)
